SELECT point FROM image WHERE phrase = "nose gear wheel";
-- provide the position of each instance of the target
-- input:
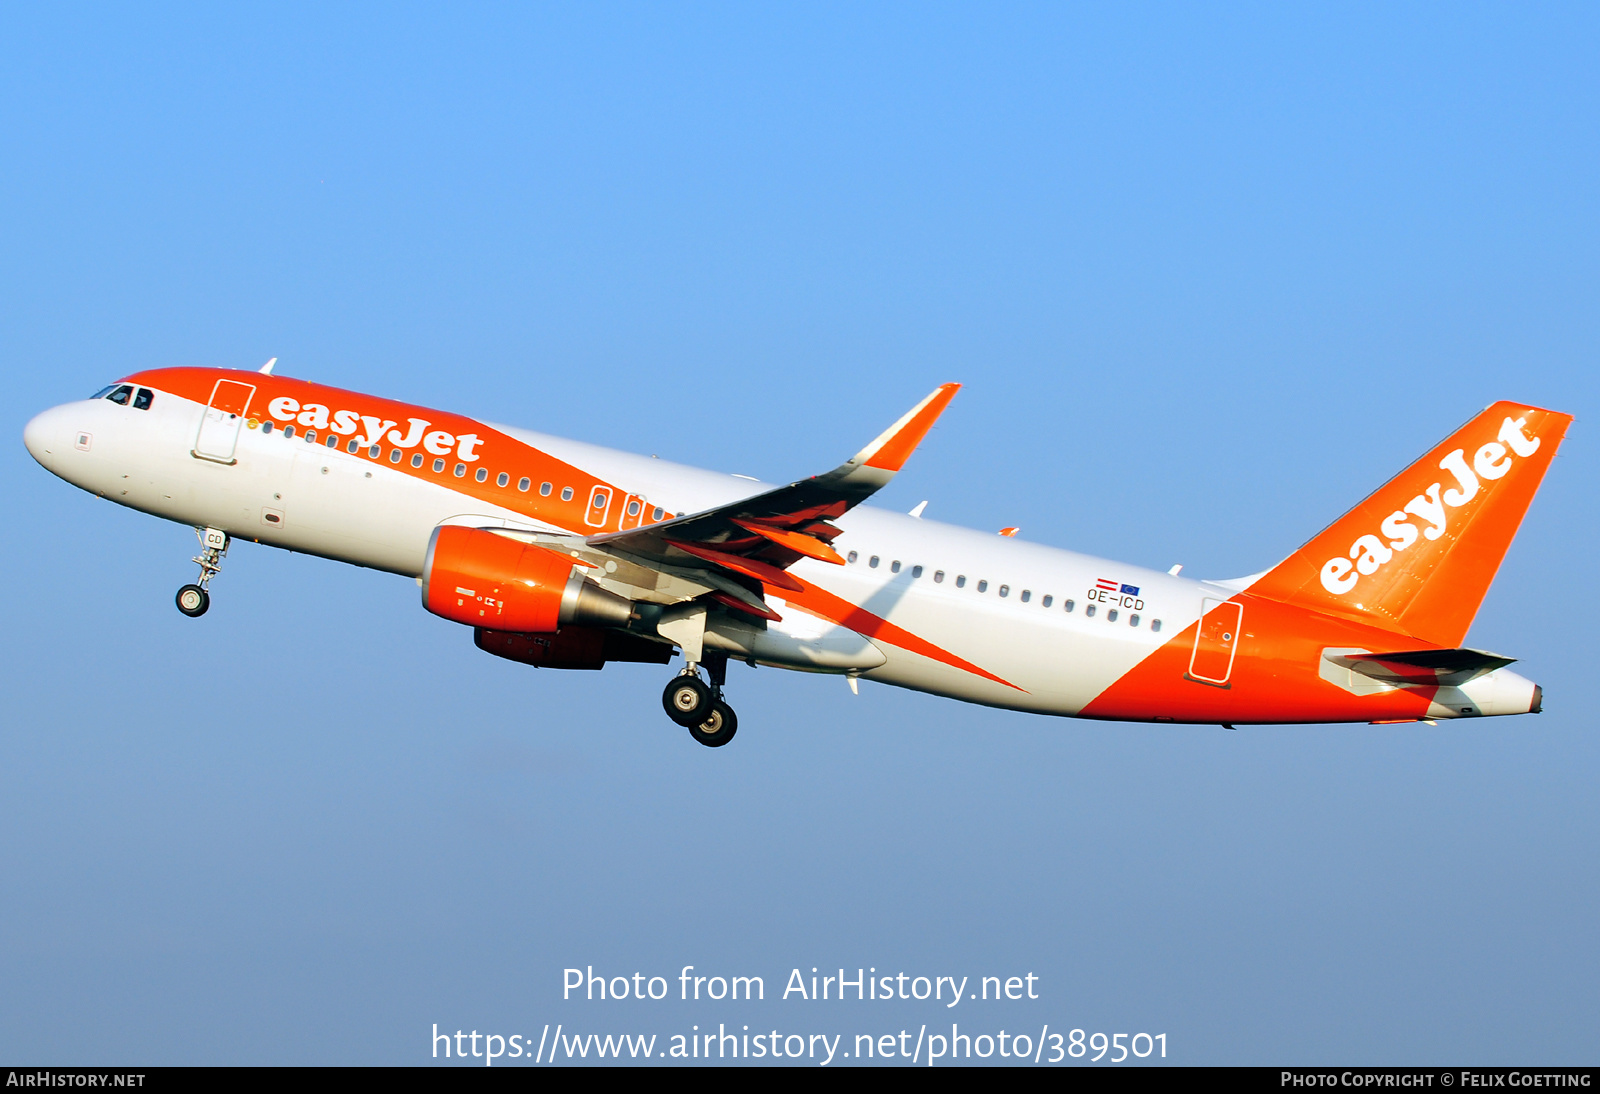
(193, 600)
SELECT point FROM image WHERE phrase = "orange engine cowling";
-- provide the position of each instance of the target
(489, 580)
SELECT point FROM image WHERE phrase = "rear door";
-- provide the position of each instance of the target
(1214, 645)
(222, 420)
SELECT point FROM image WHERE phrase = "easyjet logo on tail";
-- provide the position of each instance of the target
(1370, 552)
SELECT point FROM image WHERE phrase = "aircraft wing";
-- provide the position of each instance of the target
(758, 538)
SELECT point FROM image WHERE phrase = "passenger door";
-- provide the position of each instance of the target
(1215, 642)
(222, 420)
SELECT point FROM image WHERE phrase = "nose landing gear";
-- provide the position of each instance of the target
(193, 600)
(699, 707)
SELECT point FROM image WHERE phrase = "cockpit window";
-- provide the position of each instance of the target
(141, 401)
(103, 392)
(120, 396)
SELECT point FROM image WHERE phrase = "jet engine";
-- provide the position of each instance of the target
(493, 581)
(573, 648)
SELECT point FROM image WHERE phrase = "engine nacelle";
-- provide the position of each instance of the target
(489, 580)
(572, 648)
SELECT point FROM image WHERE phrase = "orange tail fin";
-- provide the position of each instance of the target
(1420, 552)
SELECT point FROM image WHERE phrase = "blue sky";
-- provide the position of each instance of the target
(1209, 275)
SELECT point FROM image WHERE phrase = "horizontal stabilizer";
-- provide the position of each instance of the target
(1444, 668)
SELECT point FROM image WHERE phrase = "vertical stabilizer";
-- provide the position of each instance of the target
(1419, 552)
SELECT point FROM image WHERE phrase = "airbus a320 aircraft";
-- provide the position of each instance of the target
(561, 554)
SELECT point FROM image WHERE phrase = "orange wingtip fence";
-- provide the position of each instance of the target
(891, 450)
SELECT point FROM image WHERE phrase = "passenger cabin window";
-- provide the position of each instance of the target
(851, 557)
(311, 436)
(938, 577)
(482, 475)
(1133, 620)
(141, 401)
(1046, 600)
(352, 446)
(1027, 595)
(961, 581)
(633, 508)
(1155, 626)
(566, 493)
(916, 571)
(502, 479)
(375, 451)
(416, 460)
(983, 585)
(1089, 611)
(121, 395)
(1111, 616)
(523, 484)
(395, 455)
(333, 440)
(894, 567)
(1005, 590)
(288, 431)
(438, 466)
(1070, 604)
(873, 561)
(461, 469)
(544, 489)
(266, 427)
(655, 514)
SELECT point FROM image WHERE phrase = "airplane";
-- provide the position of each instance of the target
(566, 555)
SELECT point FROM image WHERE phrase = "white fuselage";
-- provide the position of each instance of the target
(999, 603)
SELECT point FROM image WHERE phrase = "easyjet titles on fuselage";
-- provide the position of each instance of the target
(347, 423)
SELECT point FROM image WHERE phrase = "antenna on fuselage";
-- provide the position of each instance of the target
(266, 369)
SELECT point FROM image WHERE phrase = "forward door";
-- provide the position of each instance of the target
(222, 420)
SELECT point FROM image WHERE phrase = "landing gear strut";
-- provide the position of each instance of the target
(193, 600)
(698, 707)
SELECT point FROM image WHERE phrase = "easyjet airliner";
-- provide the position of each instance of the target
(562, 554)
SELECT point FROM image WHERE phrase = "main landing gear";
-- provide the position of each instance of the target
(193, 600)
(698, 706)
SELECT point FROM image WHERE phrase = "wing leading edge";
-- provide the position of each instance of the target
(757, 538)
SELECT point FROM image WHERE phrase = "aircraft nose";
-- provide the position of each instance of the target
(44, 435)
